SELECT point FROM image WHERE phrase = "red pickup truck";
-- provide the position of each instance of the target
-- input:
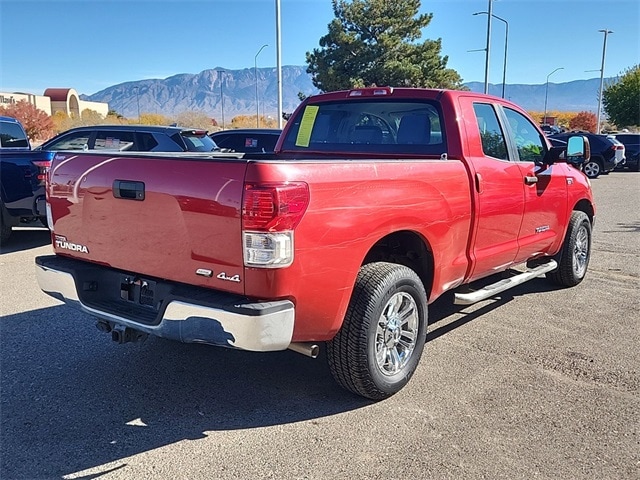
(375, 202)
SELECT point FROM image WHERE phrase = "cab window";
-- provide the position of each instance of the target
(527, 139)
(491, 135)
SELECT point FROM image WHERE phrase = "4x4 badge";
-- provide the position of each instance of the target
(223, 276)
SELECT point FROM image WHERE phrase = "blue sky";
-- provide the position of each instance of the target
(92, 44)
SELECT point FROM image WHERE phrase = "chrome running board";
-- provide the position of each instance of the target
(505, 284)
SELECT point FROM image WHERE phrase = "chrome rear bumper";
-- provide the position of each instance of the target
(229, 321)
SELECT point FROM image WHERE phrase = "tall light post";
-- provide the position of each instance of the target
(604, 50)
(506, 43)
(279, 62)
(488, 48)
(546, 94)
(220, 72)
(255, 71)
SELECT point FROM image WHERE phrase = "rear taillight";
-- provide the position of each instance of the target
(274, 207)
(43, 168)
(270, 212)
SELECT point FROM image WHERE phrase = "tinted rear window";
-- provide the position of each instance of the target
(247, 142)
(12, 136)
(380, 126)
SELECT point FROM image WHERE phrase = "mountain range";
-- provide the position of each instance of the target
(203, 91)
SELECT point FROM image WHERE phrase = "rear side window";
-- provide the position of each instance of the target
(72, 141)
(146, 142)
(12, 135)
(491, 135)
(114, 140)
(380, 126)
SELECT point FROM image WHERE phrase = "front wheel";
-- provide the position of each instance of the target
(576, 252)
(378, 348)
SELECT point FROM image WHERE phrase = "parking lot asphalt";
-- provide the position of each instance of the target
(539, 383)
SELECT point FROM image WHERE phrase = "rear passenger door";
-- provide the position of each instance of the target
(499, 190)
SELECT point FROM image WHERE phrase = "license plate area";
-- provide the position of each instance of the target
(139, 291)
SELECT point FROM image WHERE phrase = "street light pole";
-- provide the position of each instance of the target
(604, 50)
(255, 71)
(546, 94)
(506, 43)
(279, 62)
(487, 51)
(220, 72)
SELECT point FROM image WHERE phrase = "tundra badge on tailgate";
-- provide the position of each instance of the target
(62, 242)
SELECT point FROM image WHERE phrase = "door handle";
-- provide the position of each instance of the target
(530, 180)
(478, 183)
(128, 190)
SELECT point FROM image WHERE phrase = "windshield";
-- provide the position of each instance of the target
(368, 125)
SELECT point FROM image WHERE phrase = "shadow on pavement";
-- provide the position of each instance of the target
(72, 399)
(25, 239)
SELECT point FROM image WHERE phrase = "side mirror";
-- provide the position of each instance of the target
(578, 150)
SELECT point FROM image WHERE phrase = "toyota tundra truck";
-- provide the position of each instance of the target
(375, 202)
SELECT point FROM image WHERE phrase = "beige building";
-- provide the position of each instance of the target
(54, 100)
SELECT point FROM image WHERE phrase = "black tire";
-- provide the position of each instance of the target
(5, 226)
(593, 168)
(575, 253)
(373, 354)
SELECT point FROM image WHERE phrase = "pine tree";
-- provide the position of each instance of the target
(376, 42)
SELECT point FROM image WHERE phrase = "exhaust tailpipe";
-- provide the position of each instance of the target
(309, 349)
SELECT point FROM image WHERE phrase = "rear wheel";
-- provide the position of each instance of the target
(593, 168)
(378, 348)
(5, 226)
(576, 252)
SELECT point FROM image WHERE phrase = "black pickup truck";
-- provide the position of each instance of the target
(22, 178)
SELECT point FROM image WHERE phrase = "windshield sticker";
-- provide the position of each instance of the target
(306, 126)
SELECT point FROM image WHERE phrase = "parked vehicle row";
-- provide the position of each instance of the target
(23, 168)
(132, 138)
(606, 153)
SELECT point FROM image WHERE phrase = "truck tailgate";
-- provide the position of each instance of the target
(170, 217)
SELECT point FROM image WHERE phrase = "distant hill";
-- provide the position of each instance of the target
(202, 92)
(575, 96)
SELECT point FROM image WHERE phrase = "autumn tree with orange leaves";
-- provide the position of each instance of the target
(585, 121)
(36, 123)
